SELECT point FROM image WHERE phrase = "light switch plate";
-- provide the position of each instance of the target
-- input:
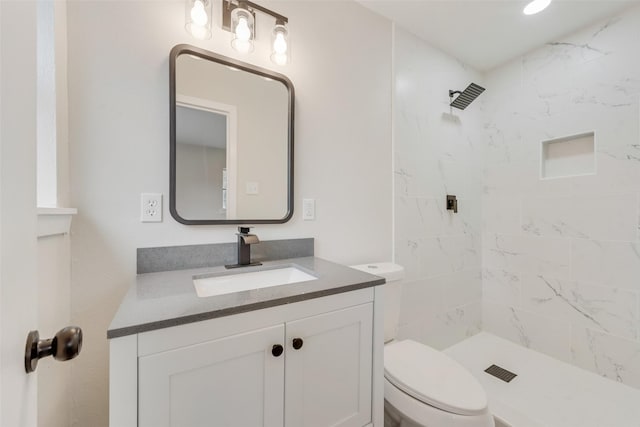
(151, 207)
(308, 209)
(252, 187)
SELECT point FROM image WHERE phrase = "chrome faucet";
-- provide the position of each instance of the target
(245, 240)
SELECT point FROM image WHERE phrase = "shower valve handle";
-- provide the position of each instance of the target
(452, 203)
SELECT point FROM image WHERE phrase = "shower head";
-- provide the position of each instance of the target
(465, 97)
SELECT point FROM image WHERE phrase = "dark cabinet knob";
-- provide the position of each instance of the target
(65, 345)
(277, 350)
(297, 343)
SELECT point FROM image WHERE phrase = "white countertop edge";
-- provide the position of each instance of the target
(54, 221)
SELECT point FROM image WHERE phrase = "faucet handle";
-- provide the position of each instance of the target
(246, 238)
(249, 239)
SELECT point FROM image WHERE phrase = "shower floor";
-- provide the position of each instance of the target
(546, 391)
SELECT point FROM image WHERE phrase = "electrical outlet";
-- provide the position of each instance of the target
(308, 209)
(151, 207)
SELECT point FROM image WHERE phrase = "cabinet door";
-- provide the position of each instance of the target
(328, 379)
(231, 382)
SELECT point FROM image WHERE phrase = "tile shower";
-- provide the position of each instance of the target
(551, 264)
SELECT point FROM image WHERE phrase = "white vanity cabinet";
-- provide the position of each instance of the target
(328, 379)
(232, 381)
(314, 363)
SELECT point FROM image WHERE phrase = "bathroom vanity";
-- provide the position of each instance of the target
(296, 342)
(300, 354)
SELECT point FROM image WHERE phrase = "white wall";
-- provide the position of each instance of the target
(119, 147)
(561, 256)
(54, 313)
(53, 252)
(437, 152)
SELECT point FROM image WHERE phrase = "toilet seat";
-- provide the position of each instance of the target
(433, 378)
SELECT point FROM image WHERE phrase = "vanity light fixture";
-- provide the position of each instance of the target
(280, 43)
(198, 18)
(239, 18)
(536, 6)
(242, 24)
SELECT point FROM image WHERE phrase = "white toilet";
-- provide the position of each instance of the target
(422, 386)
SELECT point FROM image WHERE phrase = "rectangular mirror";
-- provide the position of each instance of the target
(231, 151)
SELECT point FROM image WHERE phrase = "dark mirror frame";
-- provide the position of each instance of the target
(182, 49)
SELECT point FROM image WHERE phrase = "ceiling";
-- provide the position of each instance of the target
(485, 34)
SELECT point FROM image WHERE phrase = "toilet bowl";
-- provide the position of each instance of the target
(423, 387)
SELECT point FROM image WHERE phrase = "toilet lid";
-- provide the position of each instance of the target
(433, 378)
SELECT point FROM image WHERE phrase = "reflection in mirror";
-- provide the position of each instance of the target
(201, 155)
(232, 141)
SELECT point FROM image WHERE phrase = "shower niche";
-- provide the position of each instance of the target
(568, 156)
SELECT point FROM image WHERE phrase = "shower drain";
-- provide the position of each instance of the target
(500, 373)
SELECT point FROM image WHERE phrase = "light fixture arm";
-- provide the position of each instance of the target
(229, 5)
(266, 11)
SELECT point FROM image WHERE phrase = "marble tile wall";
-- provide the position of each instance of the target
(436, 152)
(561, 257)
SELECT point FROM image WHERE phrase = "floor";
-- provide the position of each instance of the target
(546, 392)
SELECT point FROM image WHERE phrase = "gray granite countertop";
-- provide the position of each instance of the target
(160, 300)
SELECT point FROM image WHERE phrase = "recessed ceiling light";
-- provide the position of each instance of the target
(536, 6)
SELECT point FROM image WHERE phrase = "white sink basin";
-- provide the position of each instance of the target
(227, 283)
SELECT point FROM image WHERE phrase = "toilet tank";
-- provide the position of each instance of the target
(393, 274)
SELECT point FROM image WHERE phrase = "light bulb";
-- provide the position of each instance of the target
(243, 32)
(536, 6)
(280, 49)
(199, 14)
(280, 44)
